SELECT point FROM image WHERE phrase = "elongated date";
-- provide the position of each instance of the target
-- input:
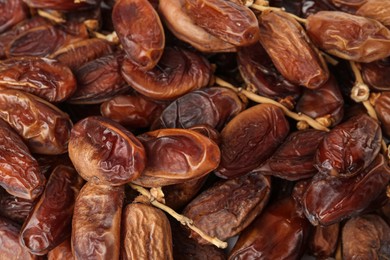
(14, 208)
(62, 251)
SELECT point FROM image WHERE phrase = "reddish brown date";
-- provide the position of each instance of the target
(377, 74)
(63, 5)
(349, 147)
(49, 223)
(178, 72)
(382, 109)
(330, 199)
(278, 233)
(250, 138)
(19, 171)
(13, 12)
(212, 106)
(61, 252)
(10, 248)
(96, 222)
(14, 208)
(209, 132)
(43, 77)
(175, 156)
(144, 47)
(366, 237)
(324, 240)
(105, 151)
(44, 127)
(295, 158)
(348, 5)
(227, 20)
(349, 36)
(228, 207)
(376, 9)
(288, 46)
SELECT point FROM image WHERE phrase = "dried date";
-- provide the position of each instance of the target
(377, 74)
(324, 240)
(382, 106)
(61, 252)
(14, 208)
(377, 10)
(13, 12)
(63, 5)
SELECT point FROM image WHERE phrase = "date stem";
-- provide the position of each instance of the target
(182, 219)
(268, 8)
(259, 99)
(55, 17)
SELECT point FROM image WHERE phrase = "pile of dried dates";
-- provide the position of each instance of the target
(194, 129)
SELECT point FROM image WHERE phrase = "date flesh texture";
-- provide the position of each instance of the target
(382, 109)
(250, 138)
(376, 9)
(62, 5)
(323, 242)
(143, 47)
(14, 208)
(61, 252)
(377, 74)
(13, 12)
(104, 151)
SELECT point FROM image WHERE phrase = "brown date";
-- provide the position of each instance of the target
(19, 172)
(323, 242)
(46, 78)
(213, 106)
(227, 20)
(104, 151)
(330, 199)
(278, 233)
(10, 248)
(44, 127)
(376, 9)
(382, 106)
(63, 5)
(349, 6)
(250, 138)
(144, 47)
(175, 156)
(13, 12)
(349, 147)
(14, 208)
(349, 36)
(49, 223)
(146, 233)
(228, 207)
(366, 237)
(178, 72)
(291, 51)
(208, 131)
(377, 74)
(295, 158)
(61, 252)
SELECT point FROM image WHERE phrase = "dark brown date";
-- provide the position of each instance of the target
(295, 158)
(19, 171)
(349, 147)
(250, 138)
(212, 106)
(228, 207)
(96, 222)
(63, 5)
(330, 199)
(376, 9)
(61, 252)
(146, 233)
(13, 12)
(49, 223)
(144, 47)
(99, 80)
(366, 237)
(278, 233)
(44, 127)
(176, 156)
(227, 20)
(382, 106)
(324, 240)
(14, 208)
(105, 151)
(290, 49)
(10, 248)
(377, 74)
(178, 72)
(349, 36)
(43, 77)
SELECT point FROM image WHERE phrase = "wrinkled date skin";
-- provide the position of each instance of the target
(227, 20)
(366, 237)
(183, 27)
(377, 74)
(349, 36)
(228, 207)
(212, 106)
(19, 172)
(13, 12)
(295, 158)
(62, 251)
(96, 222)
(146, 233)
(105, 151)
(250, 138)
(49, 223)
(293, 55)
(382, 109)
(349, 147)
(278, 233)
(176, 156)
(14, 208)
(99, 80)
(330, 199)
(324, 102)
(209, 132)
(178, 72)
(130, 18)
(63, 5)
(46, 78)
(10, 248)
(44, 127)
(134, 111)
(349, 6)
(258, 70)
(376, 9)
(324, 240)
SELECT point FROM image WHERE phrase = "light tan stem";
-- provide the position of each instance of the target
(112, 37)
(54, 17)
(182, 219)
(266, 8)
(259, 99)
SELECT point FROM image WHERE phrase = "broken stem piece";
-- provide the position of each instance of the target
(266, 8)
(55, 17)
